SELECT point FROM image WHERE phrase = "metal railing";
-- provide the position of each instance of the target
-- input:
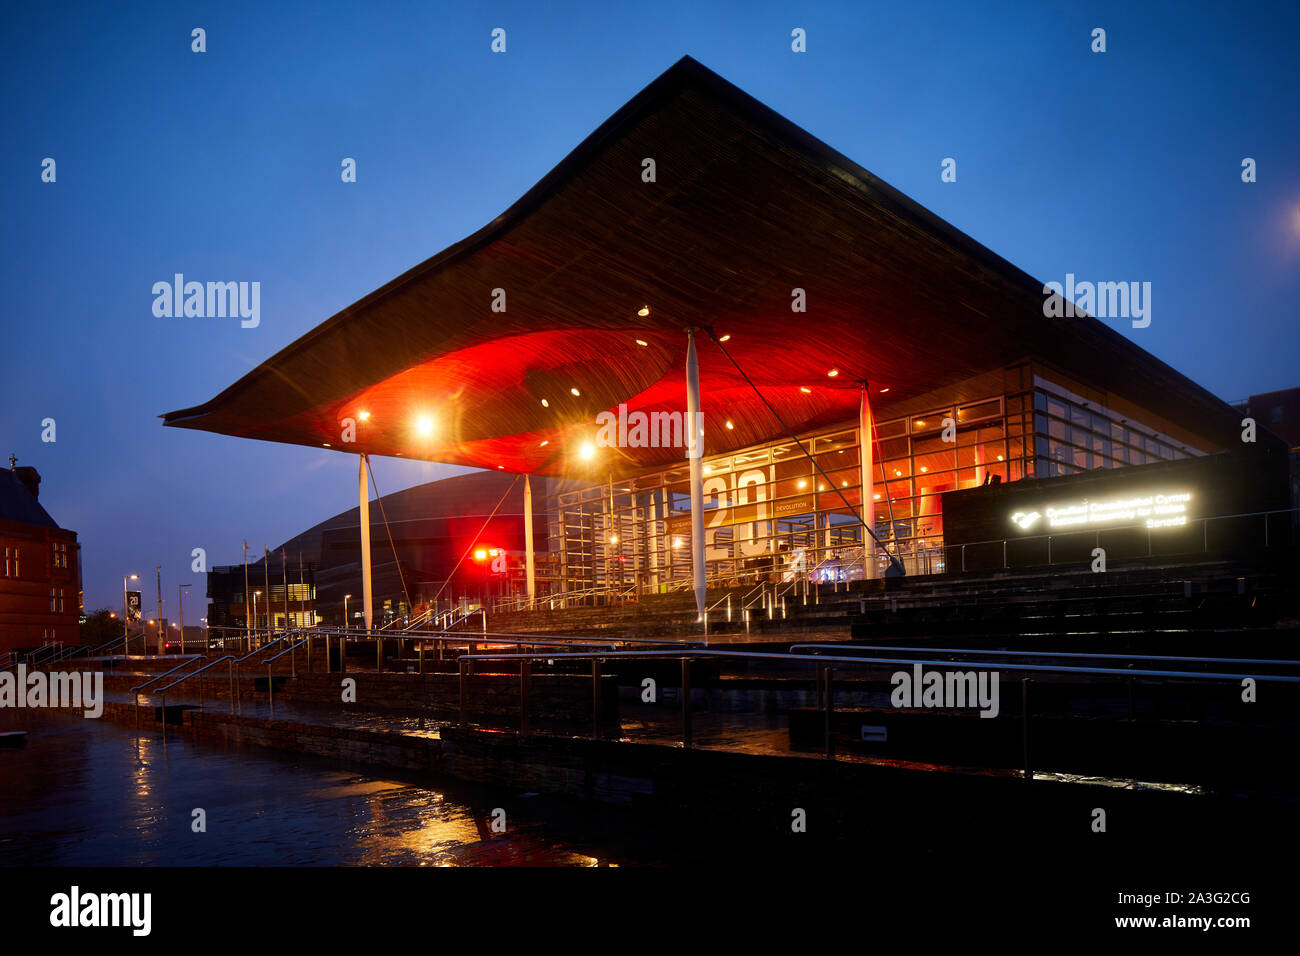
(162, 691)
(826, 665)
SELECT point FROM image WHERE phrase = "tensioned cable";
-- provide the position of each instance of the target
(380, 499)
(479, 533)
(853, 511)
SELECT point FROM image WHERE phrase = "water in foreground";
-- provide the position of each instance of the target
(90, 793)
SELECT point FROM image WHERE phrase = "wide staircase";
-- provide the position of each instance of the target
(1180, 604)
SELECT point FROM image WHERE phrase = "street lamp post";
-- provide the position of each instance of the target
(160, 612)
(256, 595)
(345, 609)
(126, 615)
(180, 610)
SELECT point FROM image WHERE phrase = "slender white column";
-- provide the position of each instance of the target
(363, 489)
(866, 458)
(695, 450)
(529, 569)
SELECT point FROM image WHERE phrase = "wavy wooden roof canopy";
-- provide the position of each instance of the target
(745, 208)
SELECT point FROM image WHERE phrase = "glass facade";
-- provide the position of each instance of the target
(771, 514)
(1073, 436)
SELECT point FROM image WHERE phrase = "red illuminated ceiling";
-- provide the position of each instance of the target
(746, 208)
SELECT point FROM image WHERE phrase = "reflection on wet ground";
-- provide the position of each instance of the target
(90, 793)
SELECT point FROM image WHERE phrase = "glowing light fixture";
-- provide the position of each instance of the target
(643, 311)
(574, 392)
(544, 444)
(643, 343)
(730, 426)
(424, 425)
(805, 390)
(364, 416)
(832, 373)
(725, 338)
(545, 404)
(587, 451)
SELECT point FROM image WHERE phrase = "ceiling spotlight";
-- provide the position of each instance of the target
(802, 484)
(999, 457)
(725, 338)
(877, 496)
(545, 404)
(613, 539)
(424, 425)
(643, 311)
(806, 391)
(364, 416)
(924, 468)
(325, 444)
(643, 343)
(832, 373)
(574, 392)
(587, 451)
(883, 391)
(730, 426)
(544, 444)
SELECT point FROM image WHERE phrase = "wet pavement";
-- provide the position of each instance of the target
(91, 793)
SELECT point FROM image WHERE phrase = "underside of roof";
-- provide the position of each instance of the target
(745, 208)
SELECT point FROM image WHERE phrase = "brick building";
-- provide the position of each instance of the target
(40, 568)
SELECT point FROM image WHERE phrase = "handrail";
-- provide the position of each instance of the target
(1073, 654)
(258, 650)
(287, 650)
(163, 690)
(823, 659)
(189, 659)
(502, 637)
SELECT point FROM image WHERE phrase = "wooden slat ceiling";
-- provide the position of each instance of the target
(746, 208)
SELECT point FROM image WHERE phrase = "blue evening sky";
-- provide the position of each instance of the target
(225, 166)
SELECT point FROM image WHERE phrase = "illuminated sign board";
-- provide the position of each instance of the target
(1164, 509)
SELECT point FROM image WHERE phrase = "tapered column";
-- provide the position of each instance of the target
(530, 573)
(866, 458)
(695, 450)
(363, 489)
